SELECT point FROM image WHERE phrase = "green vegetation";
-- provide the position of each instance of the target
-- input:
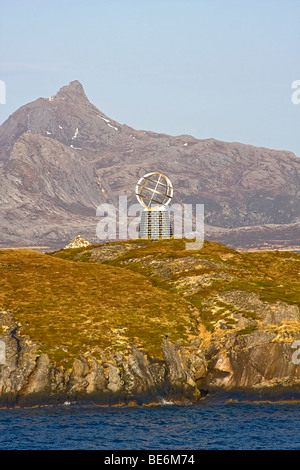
(78, 300)
(273, 276)
(248, 329)
(69, 307)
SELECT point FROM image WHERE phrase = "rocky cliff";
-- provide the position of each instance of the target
(29, 378)
(145, 322)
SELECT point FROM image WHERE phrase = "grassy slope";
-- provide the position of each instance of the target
(274, 276)
(70, 306)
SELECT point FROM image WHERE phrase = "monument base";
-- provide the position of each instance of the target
(155, 224)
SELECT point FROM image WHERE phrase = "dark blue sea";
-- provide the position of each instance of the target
(217, 426)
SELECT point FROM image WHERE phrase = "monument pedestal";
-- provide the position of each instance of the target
(155, 224)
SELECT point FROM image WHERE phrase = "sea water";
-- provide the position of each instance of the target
(219, 426)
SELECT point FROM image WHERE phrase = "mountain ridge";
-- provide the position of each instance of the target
(240, 185)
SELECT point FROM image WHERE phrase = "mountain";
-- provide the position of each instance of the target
(60, 157)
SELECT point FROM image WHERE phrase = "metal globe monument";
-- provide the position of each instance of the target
(154, 192)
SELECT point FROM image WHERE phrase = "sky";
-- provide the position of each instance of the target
(207, 68)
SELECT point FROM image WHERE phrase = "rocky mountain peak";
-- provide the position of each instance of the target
(74, 88)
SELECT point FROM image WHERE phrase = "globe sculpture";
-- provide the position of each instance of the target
(154, 192)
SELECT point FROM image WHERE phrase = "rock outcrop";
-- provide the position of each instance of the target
(259, 362)
(252, 362)
(78, 242)
(29, 377)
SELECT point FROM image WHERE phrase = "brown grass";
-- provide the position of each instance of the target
(68, 303)
(68, 306)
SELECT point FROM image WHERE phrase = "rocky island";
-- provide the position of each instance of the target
(142, 322)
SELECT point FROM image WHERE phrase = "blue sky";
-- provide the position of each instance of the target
(209, 68)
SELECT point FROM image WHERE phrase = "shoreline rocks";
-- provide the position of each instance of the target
(250, 364)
